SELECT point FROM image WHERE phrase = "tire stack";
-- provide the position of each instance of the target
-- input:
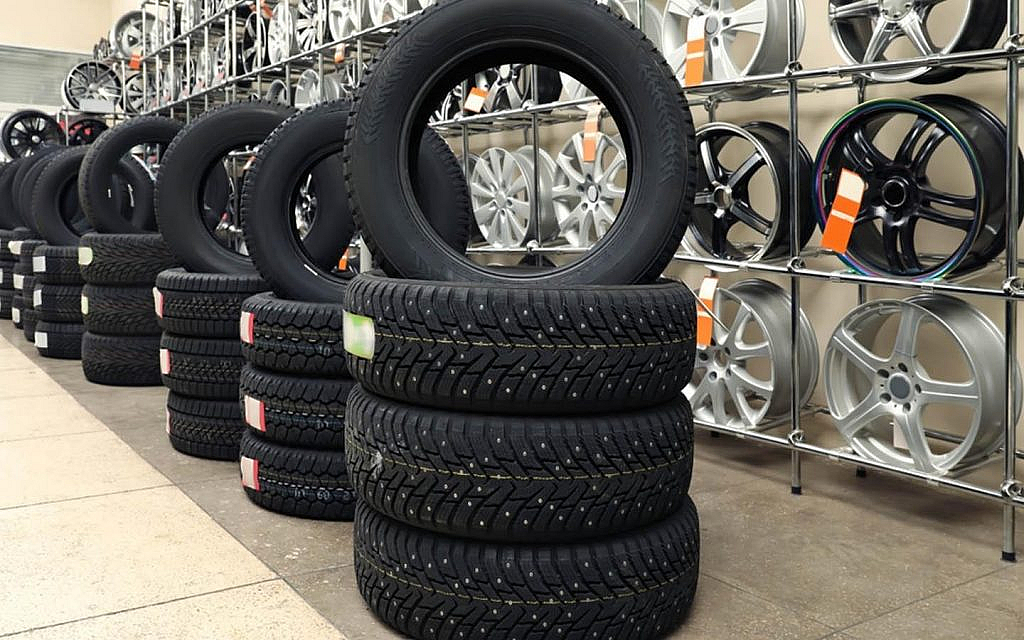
(201, 358)
(121, 346)
(294, 389)
(7, 262)
(56, 301)
(24, 315)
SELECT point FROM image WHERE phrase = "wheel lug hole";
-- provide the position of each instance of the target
(917, 388)
(886, 397)
(906, 407)
(883, 373)
(902, 367)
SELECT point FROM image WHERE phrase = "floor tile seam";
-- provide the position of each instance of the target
(165, 485)
(780, 605)
(103, 429)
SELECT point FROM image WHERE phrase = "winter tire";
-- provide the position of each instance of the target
(7, 276)
(204, 428)
(122, 361)
(123, 259)
(29, 320)
(293, 337)
(201, 367)
(125, 311)
(520, 349)
(203, 304)
(296, 411)
(59, 340)
(6, 304)
(58, 303)
(637, 585)
(604, 51)
(17, 309)
(296, 482)
(56, 265)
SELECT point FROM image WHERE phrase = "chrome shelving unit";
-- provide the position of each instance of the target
(999, 281)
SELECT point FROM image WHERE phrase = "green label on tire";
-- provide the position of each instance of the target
(359, 335)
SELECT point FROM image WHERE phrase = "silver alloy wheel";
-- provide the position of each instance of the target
(502, 192)
(346, 17)
(307, 89)
(281, 34)
(221, 61)
(156, 35)
(586, 195)
(203, 72)
(878, 399)
(729, 387)
(127, 33)
(508, 86)
(139, 93)
(254, 39)
(91, 80)
(191, 14)
(862, 31)
(729, 55)
(450, 107)
(310, 25)
(385, 11)
(170, 84)
(279, 92)
(332, 87)
(629, 9)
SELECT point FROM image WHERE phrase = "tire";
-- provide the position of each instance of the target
(203, 304)
(59, 340)
(307, 269)
(204, 428)
(520, 350)
(123, 259)
(9, 217)
(26, 250)
(28, 288)
(125, 311)
(604, 51)
(6, 235)
(56, 265)
(29, 320)
(6, 303)
(7, 276)
(295, 411)
(294, 337)
(58, 303)
(121, 361)
(196, 148)
(519, 479)
(637, 585)
(17, 309)
(100, 165)
(296, 482)
(23, 233)
(25, 185)
(201, 367)
(54, 200)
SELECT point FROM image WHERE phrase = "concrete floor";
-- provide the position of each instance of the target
(106, 532)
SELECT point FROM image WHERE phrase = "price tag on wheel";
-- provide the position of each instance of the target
(475, 101)
(339, 54)
(705, 306)
(591, 129)
(693, 73)
(135, 63)
(845, 208)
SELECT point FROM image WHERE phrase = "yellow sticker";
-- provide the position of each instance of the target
(360, 335)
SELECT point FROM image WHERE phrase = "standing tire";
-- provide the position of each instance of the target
(121, 361)
(123, 259)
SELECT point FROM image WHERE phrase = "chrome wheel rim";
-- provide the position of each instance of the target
(139, 92)
(346, 17)
(253, 42)
(309, 25)
(91, 80)
(191, 14)
(332, 87)
(501, 189)
(281, 34)
(586, 195)
(385, 11)
(746, 384)
(279, 92)
(307, 89)
(878, 399)
(127, 34)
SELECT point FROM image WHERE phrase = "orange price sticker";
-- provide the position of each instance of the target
(694, 69)
(339, 54)
(475, 101)
(136, 62)
(706, 323)
(845, 208)
(591, 127)
(343, 261)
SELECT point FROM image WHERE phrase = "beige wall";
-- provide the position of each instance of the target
(63, 25)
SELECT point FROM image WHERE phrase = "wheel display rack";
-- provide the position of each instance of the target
(1000, 281)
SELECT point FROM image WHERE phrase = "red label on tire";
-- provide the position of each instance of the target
(247, 327)
(255, 414)
(165, 362)
(250, 473)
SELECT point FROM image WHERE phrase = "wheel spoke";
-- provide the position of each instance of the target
(722, 66)
(905, 344)
(856, 9)
(924, 212)
(858, 354)
(891, 246)
(879, 41)
(749, 18)
(917, 441)
(746, 214)
(860, 417)
(910, 141)
(872, 155)
(712, 169)
(914, 29)
(924, 153)
(939, 392)
(908, 243)
(743, 173)
(967, 203)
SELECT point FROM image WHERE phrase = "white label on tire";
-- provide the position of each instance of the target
(359, 335)
(246, 327)
(42, 341)
(39, 264)
(16, 315)
(15, 247)
(158, 302)
(84, 256)
(255, 415)
(85, 305)
(19, 281)
(165, 362)
(37, 298)
(250, 473)
(168, 412)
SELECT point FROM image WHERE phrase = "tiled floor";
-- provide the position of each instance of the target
(106, 532)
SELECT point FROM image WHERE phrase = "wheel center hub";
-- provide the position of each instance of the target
(36, 139)
(593, 193)
(899, 387)
(722, 196)
(894, 193)
(894, 9)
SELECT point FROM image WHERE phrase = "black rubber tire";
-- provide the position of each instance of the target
(521, 478)
(28, 289)
(26, 250)
(100, 165)
(121, 361)
(201, 367)
(204, 428)
(6, 303)
(56, 210)
(603, 50)
(296, 482)
(26, 186)
(294, 410)
(7, 276)
(17, 308)
(6, 235)
(184, 169)
(313, 139)
(24, 233)
(294, 337)
(637, 585)
(56, 265)
(62, 340)
(9, 217)
(123, 259)
(203, 304)
(58, 303)
(523, 349)
(18, 181)
(125, 311)
(29, 320)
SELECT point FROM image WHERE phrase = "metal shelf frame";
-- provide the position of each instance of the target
(1000, 281)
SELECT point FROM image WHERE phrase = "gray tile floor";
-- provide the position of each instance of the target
(867, 558)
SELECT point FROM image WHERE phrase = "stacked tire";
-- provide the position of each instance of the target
(23, 313)
(121, 346)
(294, 390)
(7, 262)
(56, 302)
(201, 358)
